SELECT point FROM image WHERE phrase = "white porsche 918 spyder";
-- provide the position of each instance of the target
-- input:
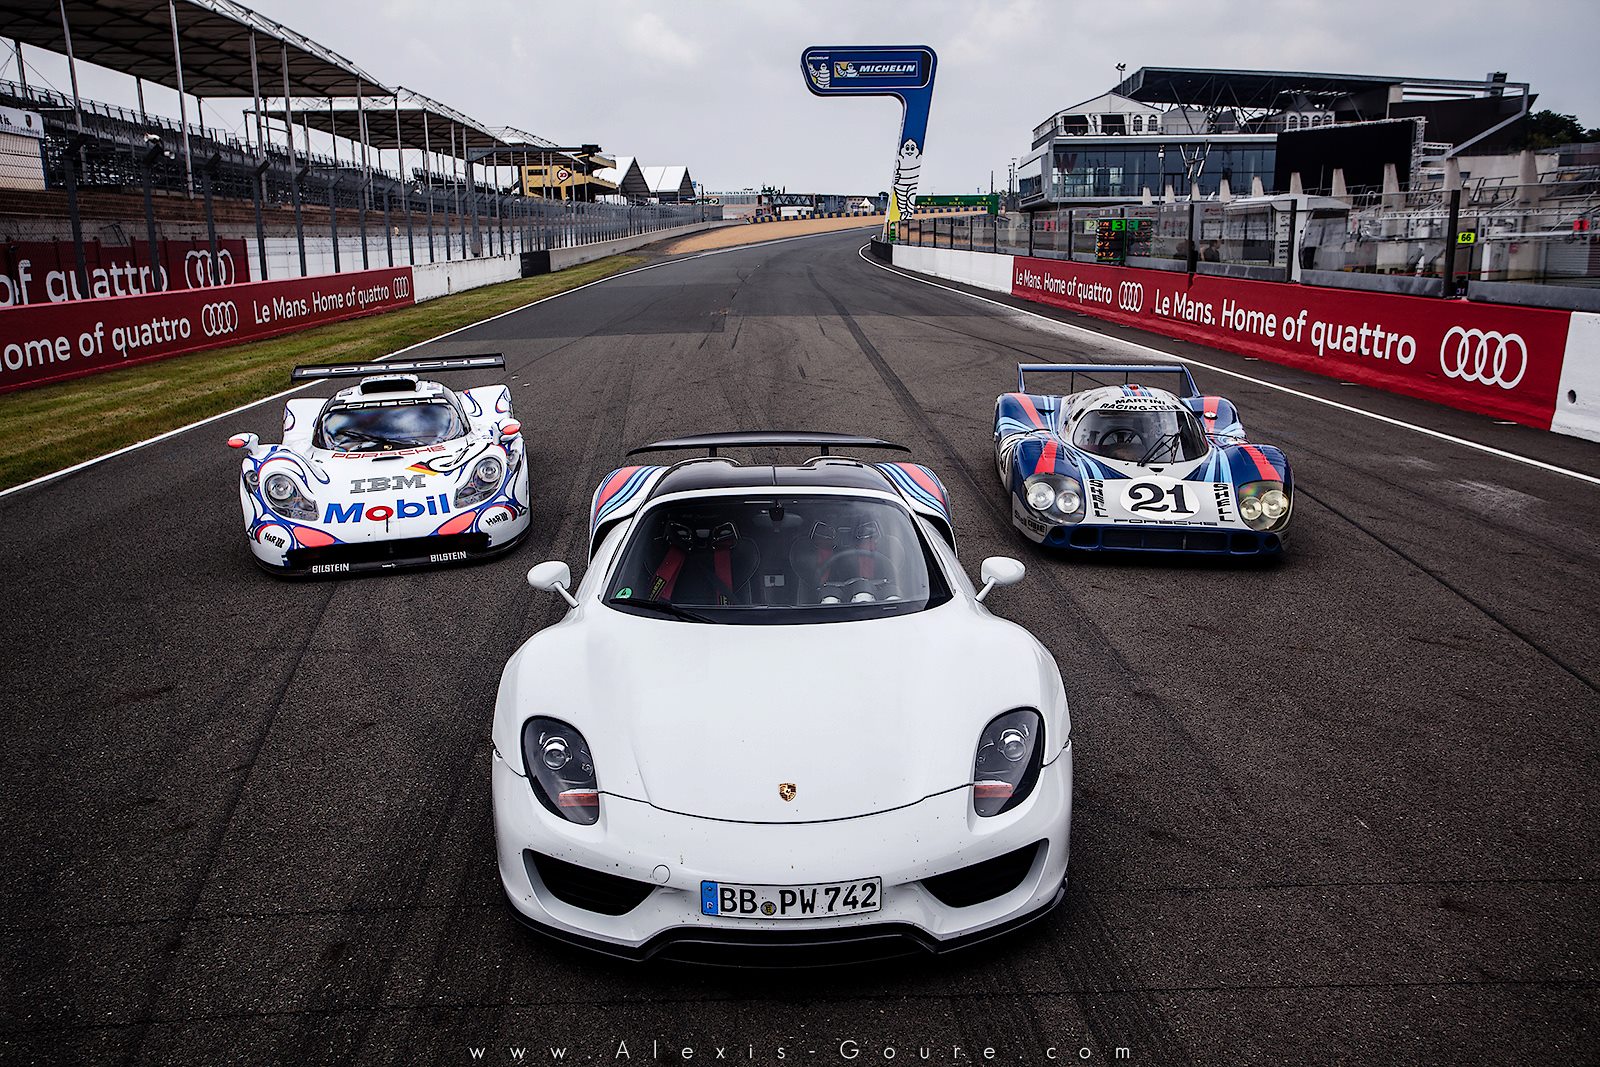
(394, 471)
(779, 719)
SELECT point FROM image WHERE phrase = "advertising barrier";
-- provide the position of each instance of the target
(1526, 365)
(1496, 360)
(50, 342)
(38, 272)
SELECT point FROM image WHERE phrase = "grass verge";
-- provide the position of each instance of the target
(55, 426)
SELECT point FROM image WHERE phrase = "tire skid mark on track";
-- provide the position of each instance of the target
(1439, 501)
(1095, 949)
(1484, 609)
(567, 540)
(431, 1013)
(213, 849)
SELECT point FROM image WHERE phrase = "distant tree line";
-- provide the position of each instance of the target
(1547, 129)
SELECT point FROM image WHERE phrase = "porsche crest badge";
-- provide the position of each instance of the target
(787, 790)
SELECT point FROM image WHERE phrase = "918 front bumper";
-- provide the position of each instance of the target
(630, 885)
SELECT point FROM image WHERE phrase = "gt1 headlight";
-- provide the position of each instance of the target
(1264, 505)
(1056, 497)
(560, 770)
(1010, 753)
(285, 497)
(487, 472)
(481, 483)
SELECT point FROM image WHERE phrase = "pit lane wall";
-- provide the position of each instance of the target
(52, 342)
(1534, 366)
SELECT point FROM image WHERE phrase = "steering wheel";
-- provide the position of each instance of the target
(1122, 435)
(890, 579)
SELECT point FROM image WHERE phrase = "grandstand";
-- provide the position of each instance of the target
(409, 180)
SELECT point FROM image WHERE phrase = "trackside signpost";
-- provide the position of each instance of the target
(901, 71)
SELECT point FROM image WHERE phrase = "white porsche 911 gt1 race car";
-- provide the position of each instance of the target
(778, 719)
(394, 471)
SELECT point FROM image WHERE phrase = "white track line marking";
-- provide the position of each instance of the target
(158, 438)
(1439, 434)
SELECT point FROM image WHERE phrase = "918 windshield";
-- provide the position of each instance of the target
(363, 428)
(791, 559)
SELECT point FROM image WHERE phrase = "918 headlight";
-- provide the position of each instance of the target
(285, 497)
(560, 770)
(1264, 505)
(482, 483)
(1055, 497)
(1010, 753)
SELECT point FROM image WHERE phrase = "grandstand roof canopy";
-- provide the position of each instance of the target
(419, 115)
(1240, 88)
(515, 146)
(135, 37)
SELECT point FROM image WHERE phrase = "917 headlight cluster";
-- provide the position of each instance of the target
(484, 481)
(1264, 505)
(1010, 753)
(284, 495)
(1056, 498)
(561, 770)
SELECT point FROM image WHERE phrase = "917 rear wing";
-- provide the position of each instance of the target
(486, 361)
(1188, 388)
(766, 439)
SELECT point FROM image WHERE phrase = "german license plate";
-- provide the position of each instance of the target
(735, 901)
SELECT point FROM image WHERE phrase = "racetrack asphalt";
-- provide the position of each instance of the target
(1338, 810)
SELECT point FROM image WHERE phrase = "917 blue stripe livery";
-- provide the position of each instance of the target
(1135, 468)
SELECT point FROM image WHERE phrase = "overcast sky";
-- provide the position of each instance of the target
(718, 85)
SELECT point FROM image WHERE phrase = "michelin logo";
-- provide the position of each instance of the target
(821, 76)
(846, 69)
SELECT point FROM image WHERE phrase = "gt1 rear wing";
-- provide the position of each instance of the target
(766, 439)
(1187, 388)
(486, 361)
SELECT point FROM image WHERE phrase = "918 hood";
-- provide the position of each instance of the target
(710, 720)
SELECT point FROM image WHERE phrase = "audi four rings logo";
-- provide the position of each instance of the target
(1130, 296)
(219, 319)
(1483, 356)
(196, 274)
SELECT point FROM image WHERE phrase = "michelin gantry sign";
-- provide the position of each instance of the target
(902, 71)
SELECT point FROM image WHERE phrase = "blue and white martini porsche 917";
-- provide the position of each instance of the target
(1131, 467)
(394, 471)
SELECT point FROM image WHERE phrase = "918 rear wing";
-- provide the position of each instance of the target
(766, 439)
(486, 361)
(1188, 388)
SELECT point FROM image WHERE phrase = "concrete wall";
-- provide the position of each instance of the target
(440, 279)
(562, 258)
(984, 270)
(1578, 396)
